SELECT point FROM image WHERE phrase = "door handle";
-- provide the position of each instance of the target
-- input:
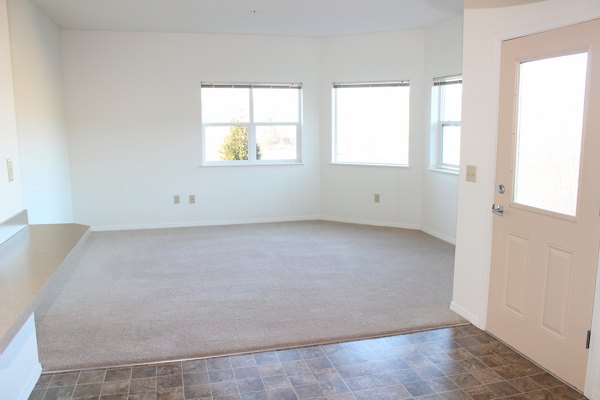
(498, 209)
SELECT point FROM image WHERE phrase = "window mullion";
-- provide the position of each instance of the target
(251, 130)
(440, 126)
(450, 123)
(335, 126)
(299, 127)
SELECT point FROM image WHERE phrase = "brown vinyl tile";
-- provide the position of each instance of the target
(456, 363)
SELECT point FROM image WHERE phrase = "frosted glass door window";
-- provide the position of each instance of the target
(549, 132)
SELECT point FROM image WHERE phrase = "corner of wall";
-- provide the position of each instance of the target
(443, 57)
(10, 191)
(467, 314)
(39, 104)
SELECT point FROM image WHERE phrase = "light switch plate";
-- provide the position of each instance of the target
(471, 173)
(10, 170)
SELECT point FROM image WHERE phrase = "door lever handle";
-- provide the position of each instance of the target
(498, 209)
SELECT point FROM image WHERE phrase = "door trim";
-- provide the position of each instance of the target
(592, 383)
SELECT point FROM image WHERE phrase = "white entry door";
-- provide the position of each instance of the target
(547, 226)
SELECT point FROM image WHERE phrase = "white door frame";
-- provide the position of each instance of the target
(592, 381)
(592, 384)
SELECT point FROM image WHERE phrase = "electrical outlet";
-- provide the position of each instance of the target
(376, 198)
(471, 173)
(176, 199)
(192, 199)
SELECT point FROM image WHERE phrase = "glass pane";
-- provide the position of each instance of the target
(451, 102)
(225, 105)
(276, 105)
(451, 145)
(276, 142)
(549, 130)
(226, 143)
(372, 125)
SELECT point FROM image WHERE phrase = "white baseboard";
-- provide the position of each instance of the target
(167, 225)
(359, 221)
(466, 314)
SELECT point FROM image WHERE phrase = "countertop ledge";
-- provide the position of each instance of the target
(28, 262)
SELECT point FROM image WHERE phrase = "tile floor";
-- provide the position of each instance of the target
(458, 363)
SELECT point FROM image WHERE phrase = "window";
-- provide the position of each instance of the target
(371, 123)
(250, 123)
(446, 116)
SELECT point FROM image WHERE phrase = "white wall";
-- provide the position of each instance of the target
(443, 57)
(11, 200)
(133, 102)
(484, 29)
(43, 143)
(347, 190)
(131, 152)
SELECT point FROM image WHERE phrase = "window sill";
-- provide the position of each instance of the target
(370, 165)
(449, 171)
(247, 164)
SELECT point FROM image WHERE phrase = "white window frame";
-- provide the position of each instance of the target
(437, 101)
(334, 135)
(252, 125)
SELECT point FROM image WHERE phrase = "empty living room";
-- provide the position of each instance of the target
(295, 200)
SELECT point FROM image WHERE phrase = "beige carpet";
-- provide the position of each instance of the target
(153, 295)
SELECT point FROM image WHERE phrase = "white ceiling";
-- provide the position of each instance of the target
(268, 17)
